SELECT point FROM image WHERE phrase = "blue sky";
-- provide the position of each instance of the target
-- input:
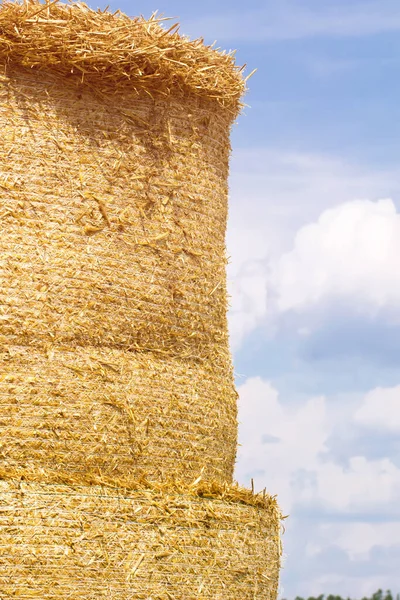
(314, 240)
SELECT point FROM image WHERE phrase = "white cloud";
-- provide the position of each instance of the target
(301, 437)
(363, 485)
(248, 292)
(355, 586)
(358, 539)
(351, 253)
(349, 558)
(315, 246)
(283, 448)
(275, 192)
(381, 410)
(344, 520)
(274, 196)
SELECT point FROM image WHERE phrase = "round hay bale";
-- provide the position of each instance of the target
(113, 206)
(113, 214)
(90, 542)
(86, 412)
(116, 377)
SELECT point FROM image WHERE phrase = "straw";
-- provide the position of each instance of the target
(87, 542)
(117, 400)
(86, 413)
(113, 213)
(112, 51)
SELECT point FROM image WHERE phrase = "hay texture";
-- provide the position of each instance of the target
(113, 207)
(88, 412)
(90, 543)
(117, 403)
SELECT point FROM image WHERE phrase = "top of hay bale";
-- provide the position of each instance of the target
(113, 51)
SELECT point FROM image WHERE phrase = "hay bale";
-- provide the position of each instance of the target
(91, 543)
(113, 192)
(85, 412)
(116, 378)
(113, 218)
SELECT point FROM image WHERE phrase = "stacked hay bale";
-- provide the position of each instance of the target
(117, 403)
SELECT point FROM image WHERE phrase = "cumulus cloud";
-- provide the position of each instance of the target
(318, 271)
(350, 559)
(363, 485)
(342, 535)
(344, 263)
(296, 236)
(285, 447)
(381, 410)
(358, 539)
(347, 558)
(350, 253)
(248, 291)
(279, 446)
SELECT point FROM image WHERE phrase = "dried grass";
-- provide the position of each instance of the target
(117, 402)
(161, 543)
(113, 219)
(113, 51)
(113, 246)
(96, 414)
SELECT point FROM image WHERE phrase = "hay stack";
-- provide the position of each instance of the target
(91, 543)
(114, 356)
